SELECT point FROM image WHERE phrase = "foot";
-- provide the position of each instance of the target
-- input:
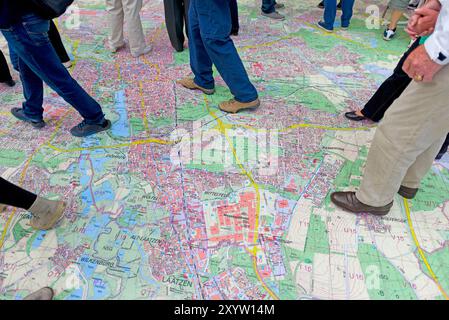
(235, 32)
(408, 193)
(189, 83)
(279, 6)
(234, 106)
(10, 83)
(46, 213)
(84, 129)
(20, 114)
(274, 15)
(321, 5)
(141, 53)
(349, 202)
(389, 34)
(68, 64)
(355, 115)
(322, 25)
(42, 294)
(343, 27)
(115, 49)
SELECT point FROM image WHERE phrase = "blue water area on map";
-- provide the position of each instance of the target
(101, 290)
(121, 127)
(373, 43)
(37, 242)
(96, 225)
(377, 70)
(76, 295)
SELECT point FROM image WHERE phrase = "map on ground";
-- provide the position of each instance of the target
(182, 201)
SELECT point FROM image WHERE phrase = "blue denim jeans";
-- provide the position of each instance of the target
(37, 61)
(210, 43)
(268, 6)
(330, 11)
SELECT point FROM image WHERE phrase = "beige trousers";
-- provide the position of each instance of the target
(407, 140)
(129, 11)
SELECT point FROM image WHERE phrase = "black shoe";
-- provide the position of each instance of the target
(321, 5)
(408, 193)
(235, 32)
(349, 202)
(19, 114)
(9, 83)
(339, 6)
(353, 116)
(84, 129)
(440, 155)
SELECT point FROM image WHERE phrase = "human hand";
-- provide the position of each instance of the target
(419, 66)
(422, 23)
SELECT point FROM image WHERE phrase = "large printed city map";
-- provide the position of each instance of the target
(182, 201)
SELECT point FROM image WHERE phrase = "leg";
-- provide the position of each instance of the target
(13, 57)
(115, 20)
(268, 6)
(15, 196)
(215, 29)
(134, 25)
(234, 16)
(395, 17)
(421, 166)
(174, 20)
(33, 91)
(200, 62)
(34, 49)
(347, 6)
(57, 43)
(330, 11)
(5, 74)
(389, 90)
(406, 132)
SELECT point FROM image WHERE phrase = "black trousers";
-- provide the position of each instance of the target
(389, 90)
(5, 74)
(445, 145)
(176, 13)
(234, 16)
(56, 41)
(14, 196)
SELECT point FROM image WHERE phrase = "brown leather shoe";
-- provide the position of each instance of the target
(42, 294)
(408, 193)
(189, 83)
(234, 106)
(348, 201)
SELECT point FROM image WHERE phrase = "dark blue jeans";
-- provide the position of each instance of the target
(37, 62)
(268, 6)
(330, 11)
(210, 43)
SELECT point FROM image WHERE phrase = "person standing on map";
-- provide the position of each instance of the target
(176, 13)
(27, 33)
(5, 74)
(414, 127)
(129, 11)
(210, 43)
(330, 12)
(269, 9)
(45, 213)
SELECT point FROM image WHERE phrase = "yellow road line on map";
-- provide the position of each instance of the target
(142, 104)
(222, 129)
(23, 175)
(421, 252)
(317, 126)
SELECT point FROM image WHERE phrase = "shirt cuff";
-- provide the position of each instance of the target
(435, 52)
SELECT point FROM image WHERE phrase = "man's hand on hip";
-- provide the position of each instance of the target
(419, 66)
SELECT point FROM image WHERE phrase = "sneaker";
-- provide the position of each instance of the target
(10, 83)
(46, 213)
(279, 5)
(20, 114)
(321, 25)
(189, 83)
(68, 64)
(144, 52)
(234, 106)
(274, 15)
(344, 27)
(84, 129)
(389, 34)
(42, 294)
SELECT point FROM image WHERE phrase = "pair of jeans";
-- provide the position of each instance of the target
(210, 43)
(38, 62)
(5, 74)
(15, 196)
(330, 11)
(389, 90)
(268, 6)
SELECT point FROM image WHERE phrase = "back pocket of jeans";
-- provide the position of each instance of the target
(37, 31)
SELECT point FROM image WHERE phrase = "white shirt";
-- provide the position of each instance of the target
(437, 45)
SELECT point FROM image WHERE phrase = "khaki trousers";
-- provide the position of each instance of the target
(407, 140)
(129, 11)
